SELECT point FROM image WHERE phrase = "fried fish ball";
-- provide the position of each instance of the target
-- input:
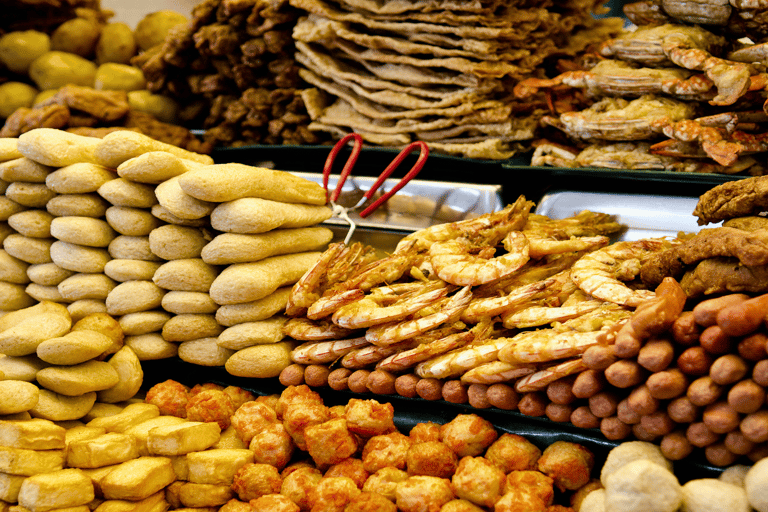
(352, 468)
(386, 450)
(251, 418)
(569, 464)
(298, 417)
(431, 458)
(512, 452)
(425, 431)
(468, 434)
(369, 418)
(333, 493)
(478, 480)
(423, 493)
(534, 482)
(272, 445)
(238, 395)
(170, 397)
(296, 395)
(273, 503)
(330, 442)
(211, 405)
(253, 480)
(370, 502)
(520, 499)
(384, 481)
(299, 483)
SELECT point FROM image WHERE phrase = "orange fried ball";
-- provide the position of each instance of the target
(197, 388)
(299, 484)
(468, 434)
(423, 493)
(272, 445)
(460, 505)
(423, 432)
(211, 405)
(370, 502)
(431, 458)
(297, 417)
(333, 493)
(533, 482)
(512, 452)
(170, 397)
(253, 480)
(251, 418)
(352, 468)
(478, 480)
(296, 395)
(386, 450)
(384, 481)
(238, 395)
(369, 418)
(330, 442)
(569, 464)
(273, 503)
(233, 505)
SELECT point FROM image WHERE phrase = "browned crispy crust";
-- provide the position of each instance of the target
(105, 106)
(724, 275)
(750, 248)
(24, 119)
(731, 199)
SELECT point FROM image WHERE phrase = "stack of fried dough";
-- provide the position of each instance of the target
(684, 90)
(441, 72)
(161, 239)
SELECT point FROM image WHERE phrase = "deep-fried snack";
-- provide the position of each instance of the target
(190, 275)
(82, 231)
(468, 434)
(217, 466)
(181, 303)
(141, 430)
(273, 445)
(24, 169)
(173, 242)
(104, 105)
(131, 221)
(253, 215)
(132, 414)
(170, 397)
(57, 148)
(190, 327)
(184, 438)
(211, 405)
(83, 205)
(569, 464)
(104, 450)
(25, 119)
(423, 492)
(750, 247)
(335, 490)
(749, 223)
(117, 147)
(34, 434)
(253, 480)
(512, 452)
(73, 348)
(478, 480)
(713, 276)
(204, 352)
(731, 199)
(431, 458)
(130, 377)
(32, 223)
(330, 442)
(229, 248)
(138, 479)
(386, 450)
(64, 488)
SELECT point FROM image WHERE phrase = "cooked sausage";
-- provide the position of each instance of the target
(705, 312)
(745, 317)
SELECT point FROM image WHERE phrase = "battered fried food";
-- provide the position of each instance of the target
(468, 434)
(733, 199)
(569, 464)
(721, 275)
(512, 452)
(211, 405)
(170, 397)
(750, 248)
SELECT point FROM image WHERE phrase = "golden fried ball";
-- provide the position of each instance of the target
(211, 405)
(330, 442)
(253, 480)
(272, 445)
(18, 49)
(426, 431)
(468, 434)
(370, 502)
(298, 417)
(170, 397)
(569, 464)
(384, 481)
(298, 485)
(478, 480)
(386, 450)
(431, 458)
(423, 493)
(251, 418)
(333, 493)
(533, 482)
(512, 452)
(369, 418)
(273, 503)
(352, 468)
(152, 29)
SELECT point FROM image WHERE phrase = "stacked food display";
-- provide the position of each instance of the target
(184, 329)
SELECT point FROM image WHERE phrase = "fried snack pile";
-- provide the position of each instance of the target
(233, 68)
(192, 259)
(682, 92)
(440, 72)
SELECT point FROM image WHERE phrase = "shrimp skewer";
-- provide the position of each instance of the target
(493, 306)
(496, 372)
(409, 358)
(324, 352)
(308, 330)
(536, 316)
(547, 345)
(542, 378)
(482, 350)
(390, 333)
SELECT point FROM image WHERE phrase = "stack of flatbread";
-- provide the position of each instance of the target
(434, 70)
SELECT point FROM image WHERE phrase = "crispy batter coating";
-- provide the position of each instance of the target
(296, 394)
(533, 482)
(731, 199)
(332, 494)
(468, 434)
(352, 468)
(478, 480)
(512, 452)
(251, 418)
(238, 395)
(431, 458)
(299, 483)
(253, 480)
(272, 445)
(330, 442)
(211, 405)
(269, 400)
(370, 502)
(298, 417)
(233, 505)
(384, 481)
(569, 464)
(197, 388)
(423, 494)
(423, 432)
(170, 397)
(369, 418)
(520, 500)
(337, 411)
(273, 503)
(386, 450)
(460, 505)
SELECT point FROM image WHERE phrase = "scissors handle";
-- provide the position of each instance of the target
(423, 154)
(351, 160)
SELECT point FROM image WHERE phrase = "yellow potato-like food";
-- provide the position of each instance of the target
(152, 28)
(116, 44)
(162, 107)
(260, 361)
(76, 35)
(18, 49)
(53, 70)
(112, 76)
(14, 95)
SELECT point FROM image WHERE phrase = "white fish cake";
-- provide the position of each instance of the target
(34, 434)
(191, 436)
(189, 327)
(256, 215)
(254, 311)
(204, 352)
(28, 249)
(56, 407)
(131, 248)
(32, 223)
(86, 286)
(248, 334)
(131, 221)
(78, 258)
(105, 450)
(79, 178)
(173, 242)
(134, 296)
(247, 282)
(24, 169)
(188, 275)
(130, 375)
(82, 231)
(122, 145)
(179, 302)
(143, 322)
(123, 192)
(229, 248)
(131, 270)
(170, 195)
(31, 195)
(57, 148)
(151, 346)
(77, 205)
(13, 270)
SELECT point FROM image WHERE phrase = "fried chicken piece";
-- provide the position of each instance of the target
(733, 199)
(431, 458)
(23, 119)
(749, 223)
(750, 248)
(724, 275)
(106, 106)
(512, 452)
(569, 464)
(211, 405)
